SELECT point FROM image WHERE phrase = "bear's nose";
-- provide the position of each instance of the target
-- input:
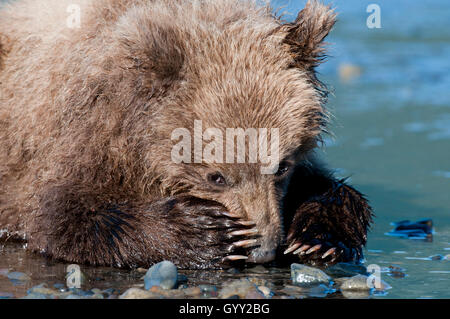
(261, 256)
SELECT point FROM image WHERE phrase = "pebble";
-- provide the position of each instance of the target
(163, 274)
(302, 275)
(266, 291)
(358, 282)
(137, 293)
(396, 272)
(242, 288)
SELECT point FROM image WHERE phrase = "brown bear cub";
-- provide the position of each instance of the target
(90, 97)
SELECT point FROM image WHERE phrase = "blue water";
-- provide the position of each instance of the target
(392, 129)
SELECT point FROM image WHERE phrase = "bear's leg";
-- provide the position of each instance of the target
(328, 219)
(72, 226)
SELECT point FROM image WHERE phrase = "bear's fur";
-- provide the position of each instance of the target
(86, 116)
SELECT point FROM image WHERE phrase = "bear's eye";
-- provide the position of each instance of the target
(283, 168)
(217, 179)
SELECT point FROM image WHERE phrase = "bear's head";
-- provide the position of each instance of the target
(224, 72)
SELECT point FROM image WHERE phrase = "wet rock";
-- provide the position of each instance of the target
(137, 293)
(447, 257)
(242, 288)
(358, 282)
(266, 291)
(20, 276)
(421, 229)
(345, 270)
(167, 293)
(163, 274)
(302, 275)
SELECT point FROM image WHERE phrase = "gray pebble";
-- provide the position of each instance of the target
(358, 282)
(302, 275)
(163, 274)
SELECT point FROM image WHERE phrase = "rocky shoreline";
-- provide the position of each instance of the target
(164, 280)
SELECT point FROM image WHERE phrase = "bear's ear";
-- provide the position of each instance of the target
(152, 47)
(306, 34)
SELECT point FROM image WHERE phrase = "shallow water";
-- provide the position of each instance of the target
(392, 136)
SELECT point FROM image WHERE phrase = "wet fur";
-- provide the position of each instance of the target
(86, 117)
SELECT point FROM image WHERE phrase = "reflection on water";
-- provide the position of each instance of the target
(391, 101)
